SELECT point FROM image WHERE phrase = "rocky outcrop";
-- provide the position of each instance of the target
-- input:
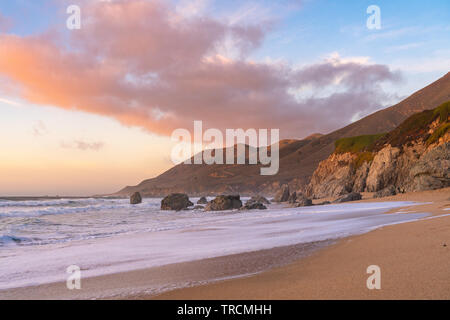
(383, 170)
(333, 177)
(300, 200)
(352, 196)
(135, 198)
(256, 202)
(386, 192)
(253, 205)
(414, 156)
(360, 177)
(292, 197)
(416, 167)
(282, 195)
(176, 201)
(202, 200)
(222, 202)
(261, 199)
(432, 171)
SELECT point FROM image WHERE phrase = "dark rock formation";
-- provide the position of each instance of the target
(259, 199)
(252, 205)
(386, 192)
(135, 198)
(292, 197)
(176, 201)
(222, 202)
(282, 195)
(353, 196)
(202, 200)
(302, 202)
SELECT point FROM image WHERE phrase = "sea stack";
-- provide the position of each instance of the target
(176, 201)
(135, 198)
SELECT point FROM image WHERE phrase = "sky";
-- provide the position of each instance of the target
(90, 110)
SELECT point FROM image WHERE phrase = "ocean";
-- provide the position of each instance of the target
(39, 239)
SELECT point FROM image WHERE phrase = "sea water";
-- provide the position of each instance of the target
(39, 239)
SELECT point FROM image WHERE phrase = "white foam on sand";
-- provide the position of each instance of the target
(194, 237)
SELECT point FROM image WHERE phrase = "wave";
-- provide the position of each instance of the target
(41, 208)
(8, 240)
(48, 203)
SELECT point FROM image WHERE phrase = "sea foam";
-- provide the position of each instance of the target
(120, 237)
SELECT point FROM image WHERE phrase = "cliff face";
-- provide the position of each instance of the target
(413, 157)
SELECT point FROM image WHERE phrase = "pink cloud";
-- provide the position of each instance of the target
(143, 64)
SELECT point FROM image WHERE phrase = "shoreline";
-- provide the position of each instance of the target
(135, 284)
(414, 258)
(244, 275)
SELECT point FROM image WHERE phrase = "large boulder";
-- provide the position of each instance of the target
(176, 201)
(303, 202)
(252, 205)
(282, 195)
(202, 200)
(300, 200)
(135, 198)
(223, 202)
(352, 196)
(260, 199)
(256, 202)
(386, 192)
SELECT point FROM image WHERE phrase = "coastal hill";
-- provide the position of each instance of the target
(298, 158)
(415, 156)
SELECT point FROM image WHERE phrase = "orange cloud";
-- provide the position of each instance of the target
(144, 64)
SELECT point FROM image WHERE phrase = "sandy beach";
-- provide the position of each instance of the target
(414, 258)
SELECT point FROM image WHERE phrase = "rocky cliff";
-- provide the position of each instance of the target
(415, 156)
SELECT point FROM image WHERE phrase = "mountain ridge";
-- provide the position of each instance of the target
(298, 158)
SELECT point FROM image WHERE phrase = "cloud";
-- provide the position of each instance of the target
(39, 129)
(10, 102)
(143, 64)
(82, 145)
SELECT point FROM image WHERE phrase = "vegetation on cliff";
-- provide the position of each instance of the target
(415, 127)
(412, 157)
(356, 144)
